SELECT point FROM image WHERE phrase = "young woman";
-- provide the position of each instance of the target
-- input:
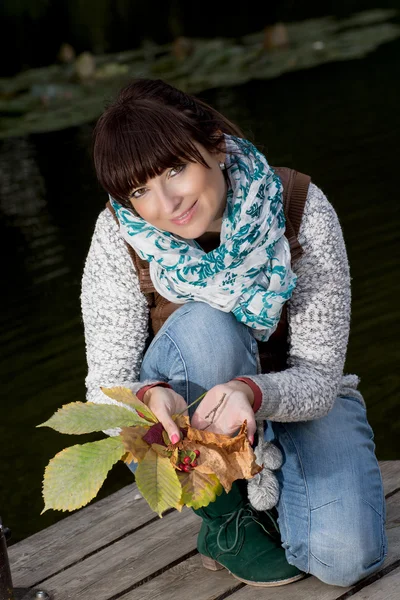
(201, 212)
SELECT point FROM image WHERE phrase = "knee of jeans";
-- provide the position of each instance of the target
(213, 336)
(347, 541)
(349, 572)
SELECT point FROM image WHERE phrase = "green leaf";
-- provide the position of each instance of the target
(86, 417)
(199, 489)
(75, 475)
(158, 482)
(125, 395)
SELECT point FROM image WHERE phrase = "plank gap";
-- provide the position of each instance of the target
(369, 580)
(111, 543)
(390, 494)
(155, 574)
(228, 593)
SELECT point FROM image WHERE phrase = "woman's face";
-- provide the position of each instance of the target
(190, 187)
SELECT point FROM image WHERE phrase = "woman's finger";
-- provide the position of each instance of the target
(169, 425)
(251, 429)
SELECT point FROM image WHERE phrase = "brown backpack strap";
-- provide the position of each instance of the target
(295, 190)
(141, 265)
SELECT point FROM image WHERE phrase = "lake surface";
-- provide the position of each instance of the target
(340, 123)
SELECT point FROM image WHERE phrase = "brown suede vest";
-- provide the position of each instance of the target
(273, 354)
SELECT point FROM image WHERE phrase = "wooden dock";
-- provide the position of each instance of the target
(118, 548)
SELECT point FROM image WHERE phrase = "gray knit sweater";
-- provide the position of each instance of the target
(115, 315)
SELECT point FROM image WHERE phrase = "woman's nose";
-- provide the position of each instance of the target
(169, 201)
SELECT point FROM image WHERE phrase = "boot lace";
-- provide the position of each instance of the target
(240, 517)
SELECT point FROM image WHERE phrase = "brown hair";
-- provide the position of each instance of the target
(150, 127)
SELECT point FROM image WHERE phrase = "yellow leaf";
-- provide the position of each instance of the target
(158, 482)
(74, 476)
(199, 489)
(125, 395)
(165, 438)
(86, 417)
(181, 420)
(133, 442)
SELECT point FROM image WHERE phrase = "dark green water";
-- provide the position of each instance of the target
(340, 123)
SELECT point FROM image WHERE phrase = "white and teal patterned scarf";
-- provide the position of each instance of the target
(249, 274)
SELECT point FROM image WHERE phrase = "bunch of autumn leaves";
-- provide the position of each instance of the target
(191, 472)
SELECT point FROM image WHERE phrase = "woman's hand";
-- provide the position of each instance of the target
(164, 403)
(226, 416)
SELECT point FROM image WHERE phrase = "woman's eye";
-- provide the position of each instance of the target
(138, 193)
(175, 170)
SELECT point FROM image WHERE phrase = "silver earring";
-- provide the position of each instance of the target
(222, 166)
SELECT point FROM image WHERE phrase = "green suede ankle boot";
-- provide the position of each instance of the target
(232, 536)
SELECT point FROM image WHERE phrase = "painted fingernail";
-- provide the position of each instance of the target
(251, 440)
(174, 438)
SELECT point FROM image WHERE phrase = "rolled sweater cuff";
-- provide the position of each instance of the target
(140, 393)
(256, 391)
(267, 396)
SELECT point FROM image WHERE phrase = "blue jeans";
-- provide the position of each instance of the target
(331, 507)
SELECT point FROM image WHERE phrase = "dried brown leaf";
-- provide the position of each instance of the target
(229, 458)
(132, 438)
(207, 437)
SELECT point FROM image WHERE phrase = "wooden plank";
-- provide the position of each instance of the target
(312, 587)
(390, 470)
(73, 538)
(89, 530)
(128, 561)
(189, 579)
(386, 588)
(181, 580)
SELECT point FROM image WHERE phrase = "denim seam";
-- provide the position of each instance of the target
(384, 545)
(175, 316)
(323, 505)
(307, 496)
(384, 550)
(183, 363)
(373, 507)
(320, 561)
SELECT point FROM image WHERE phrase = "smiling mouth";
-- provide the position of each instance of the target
(185, 214)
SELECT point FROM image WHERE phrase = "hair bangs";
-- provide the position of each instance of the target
(134, 146)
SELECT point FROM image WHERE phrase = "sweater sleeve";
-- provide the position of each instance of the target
(115, 314)
(319, 319)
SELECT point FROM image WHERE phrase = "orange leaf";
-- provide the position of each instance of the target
(232, 444)
(215, 460)
(229, 458)
(174, 456)
(128, 458)
(207, 437)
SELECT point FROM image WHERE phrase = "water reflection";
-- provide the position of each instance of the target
(25, 214)
(341, 124)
